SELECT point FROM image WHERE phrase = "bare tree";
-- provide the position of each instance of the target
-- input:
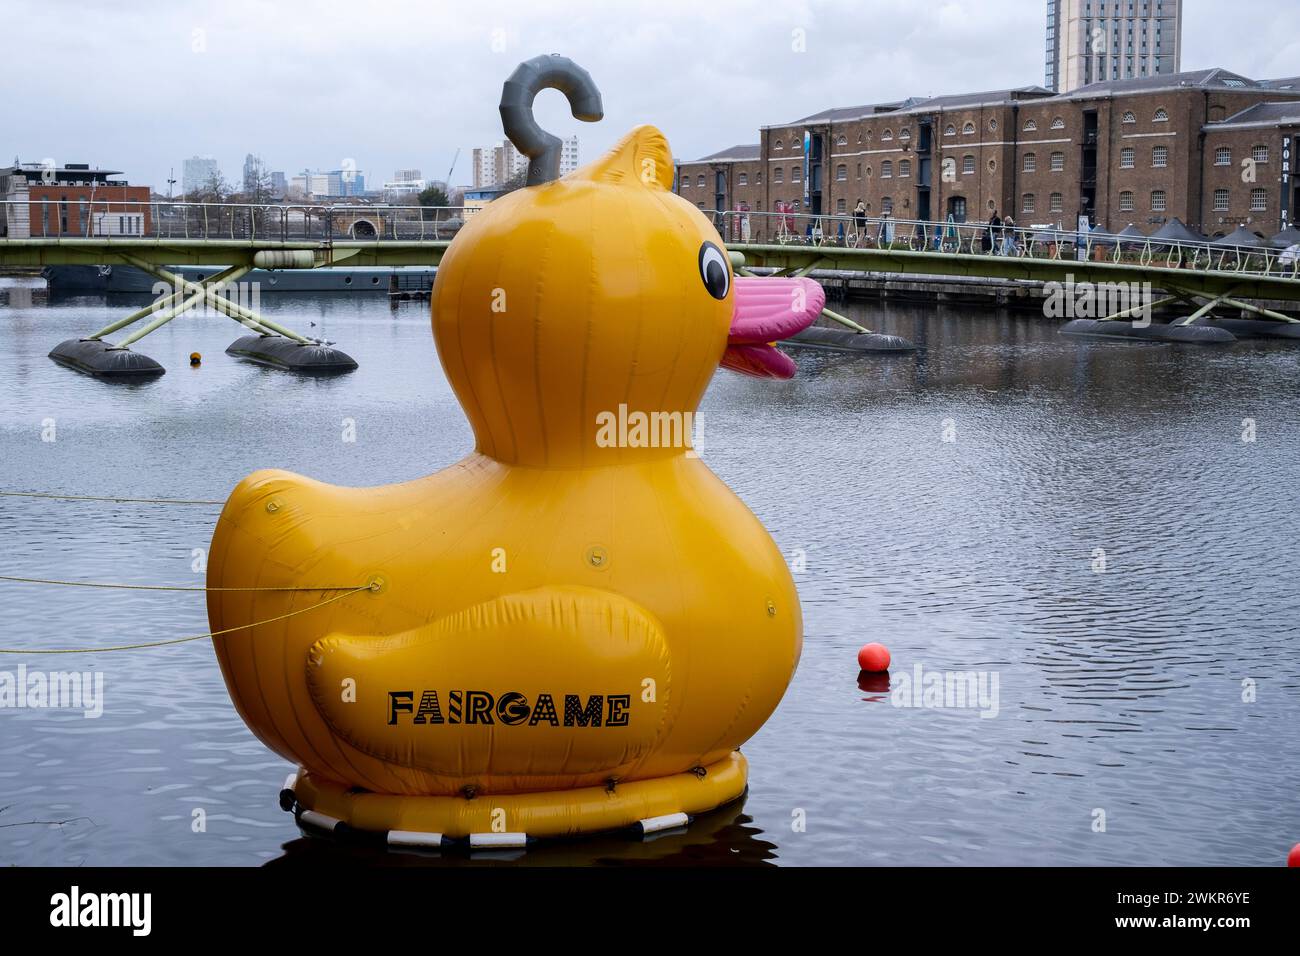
(213, 190)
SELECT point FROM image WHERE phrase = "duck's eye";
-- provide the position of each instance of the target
(715, 270)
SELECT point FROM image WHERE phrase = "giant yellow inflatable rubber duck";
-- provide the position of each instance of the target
(575, 627)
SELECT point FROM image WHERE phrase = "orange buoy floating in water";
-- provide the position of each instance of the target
(873, 658)
(196, 359)
(1293, 858)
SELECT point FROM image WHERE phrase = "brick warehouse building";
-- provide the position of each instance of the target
(1208, 147)
(71, 200)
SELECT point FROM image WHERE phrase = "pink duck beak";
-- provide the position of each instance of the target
(768, 310)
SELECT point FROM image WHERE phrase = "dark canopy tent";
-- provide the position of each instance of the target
(1130, 237)
(1241, 236)
(1287, 237)
(1175, 231)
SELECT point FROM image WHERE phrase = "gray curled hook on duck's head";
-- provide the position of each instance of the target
(530, 78)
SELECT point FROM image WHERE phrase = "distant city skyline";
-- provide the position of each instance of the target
(368, 97)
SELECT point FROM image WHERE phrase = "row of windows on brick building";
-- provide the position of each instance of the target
(968, 129)
(1159, 202)
(1127, 160)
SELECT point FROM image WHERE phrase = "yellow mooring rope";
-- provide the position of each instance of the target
(184, 640)
(348, 590)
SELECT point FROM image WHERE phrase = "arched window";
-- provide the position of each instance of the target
(1129, 117)
(1223, 156)
(699, 182)
(887, 205)
(841, 141)
(1056, 202)
(1159, 156)
(904, 168)
(968, 129)
(1126, 201)
(1259, 154)
(778, 146)
(887, 135)
(841, 172)
(1159, 201)
(742, 179)
(796, 174)
(839, 205)
(1058, 162)
(950, 130)
(1221, 198)
(968, 165)
(1058, 123)
(778, 175)
(1027, 203)
(686, 182)
(1031, 126)
(886, 170)
(1031, 163)
(1259, 200)
(1127, 157)
(905, 133)
(1162, 116)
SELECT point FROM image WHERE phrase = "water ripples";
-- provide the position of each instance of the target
(1122, 691)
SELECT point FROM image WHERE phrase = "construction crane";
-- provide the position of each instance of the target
(452, 169)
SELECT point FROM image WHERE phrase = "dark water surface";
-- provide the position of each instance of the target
(1118, 692)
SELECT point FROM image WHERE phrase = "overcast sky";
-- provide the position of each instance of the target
(140, 86)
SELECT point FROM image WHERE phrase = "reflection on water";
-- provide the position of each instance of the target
(1162, 692)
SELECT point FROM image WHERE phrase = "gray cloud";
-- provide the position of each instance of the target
(141, 86)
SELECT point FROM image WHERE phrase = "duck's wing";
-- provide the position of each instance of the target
(530, 690)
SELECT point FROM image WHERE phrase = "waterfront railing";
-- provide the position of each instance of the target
(116, 219)
(316, 222)
(739, 228)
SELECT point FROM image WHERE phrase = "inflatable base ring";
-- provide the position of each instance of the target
(325, 804)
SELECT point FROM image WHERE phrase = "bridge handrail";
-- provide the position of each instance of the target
(47, 218)
(841, 230)
(325, 222)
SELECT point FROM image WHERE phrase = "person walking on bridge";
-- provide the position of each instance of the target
(1009, 247)
(991, 235)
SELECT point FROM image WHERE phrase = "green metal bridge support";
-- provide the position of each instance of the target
(270, 344)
